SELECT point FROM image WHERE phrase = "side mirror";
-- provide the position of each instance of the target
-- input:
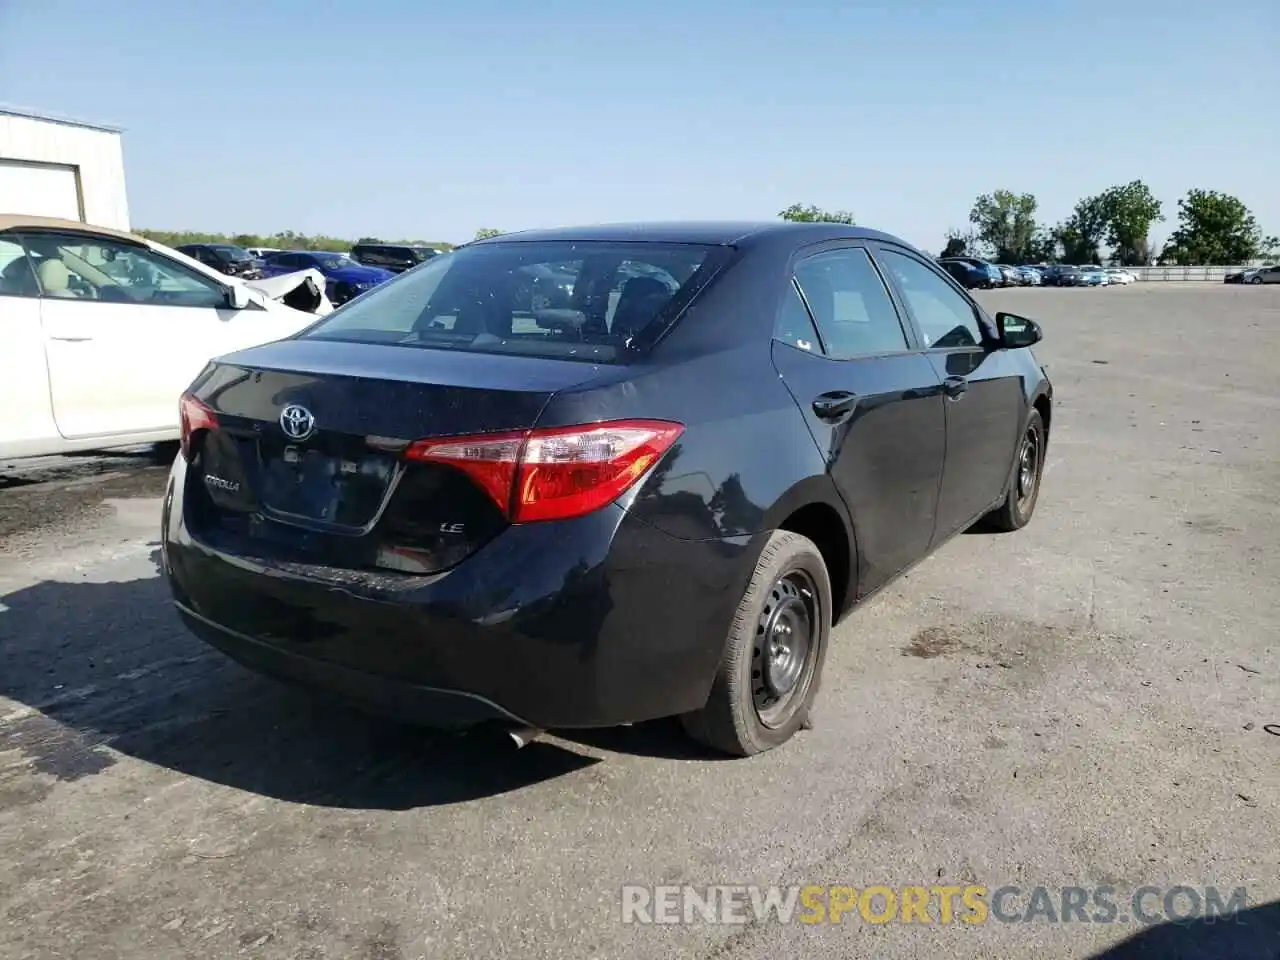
(1017, 332)
(237, 297)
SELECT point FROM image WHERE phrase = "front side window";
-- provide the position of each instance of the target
(593, 301)
(96, 268)
(945, 318)
(16, 276)
(850, 304)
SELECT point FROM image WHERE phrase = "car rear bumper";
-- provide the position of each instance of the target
(592, 622)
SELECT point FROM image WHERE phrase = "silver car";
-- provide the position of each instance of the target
(1264, 275)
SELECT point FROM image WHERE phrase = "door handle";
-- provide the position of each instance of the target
(835, 405)
(71, 339)
(955, 386)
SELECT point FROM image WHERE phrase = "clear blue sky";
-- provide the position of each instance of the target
(430, 119)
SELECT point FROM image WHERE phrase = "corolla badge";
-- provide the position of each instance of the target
(220, 483)
(297, 422)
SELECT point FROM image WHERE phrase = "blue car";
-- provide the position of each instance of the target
(972, 274)
(345, 278)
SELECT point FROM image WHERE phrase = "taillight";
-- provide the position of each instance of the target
(193, 417)
(558, 472)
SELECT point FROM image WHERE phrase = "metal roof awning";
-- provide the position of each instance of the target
(25, 113)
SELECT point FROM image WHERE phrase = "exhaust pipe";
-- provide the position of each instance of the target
(523, 736)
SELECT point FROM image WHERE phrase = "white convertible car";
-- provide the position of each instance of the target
(101, 331)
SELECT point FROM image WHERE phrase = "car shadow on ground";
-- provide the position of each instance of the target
(93, 666)
(1252, 934)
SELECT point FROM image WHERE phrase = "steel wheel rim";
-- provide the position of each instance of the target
(785, 647)
(1028, 466)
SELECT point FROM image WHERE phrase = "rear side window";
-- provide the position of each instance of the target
(592, 301)
(794, 326)
(850, 304)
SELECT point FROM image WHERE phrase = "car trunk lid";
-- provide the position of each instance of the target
(304, 459)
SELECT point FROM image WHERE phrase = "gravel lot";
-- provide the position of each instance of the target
(1081, 703)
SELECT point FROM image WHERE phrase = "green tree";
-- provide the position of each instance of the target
(798, 213)
(1044, 246)
(963, 243)
(1270, 249)
(1213, 229)
(484, 233)
(1129, 211)
(1082, 232)
(956, 245)
(1006, 221)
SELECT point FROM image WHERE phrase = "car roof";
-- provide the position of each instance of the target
(709, 232)
(13, 222)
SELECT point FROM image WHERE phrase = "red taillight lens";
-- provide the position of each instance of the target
(193, 417)
(559, 472)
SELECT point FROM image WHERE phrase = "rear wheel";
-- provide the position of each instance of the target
(1024, 488)
(772, 663)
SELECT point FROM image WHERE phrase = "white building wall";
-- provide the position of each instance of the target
(95, 154)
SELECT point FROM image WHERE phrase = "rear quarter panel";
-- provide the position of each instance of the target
(744, 450)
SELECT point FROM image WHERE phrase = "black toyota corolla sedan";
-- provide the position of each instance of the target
(451, 503)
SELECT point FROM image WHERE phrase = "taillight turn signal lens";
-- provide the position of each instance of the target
(558, 472)
(193, 417)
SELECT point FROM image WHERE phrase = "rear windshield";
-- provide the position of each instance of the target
(592, 301)
(232, 253)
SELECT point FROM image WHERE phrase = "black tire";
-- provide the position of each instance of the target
(1020, 502)
(789, 594)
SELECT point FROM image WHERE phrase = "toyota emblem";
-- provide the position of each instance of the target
(297, 422)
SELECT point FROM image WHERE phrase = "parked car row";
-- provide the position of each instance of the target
(347, 274)
(344, 276)
(226, 258)
(974, 273)
(1268, 274)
